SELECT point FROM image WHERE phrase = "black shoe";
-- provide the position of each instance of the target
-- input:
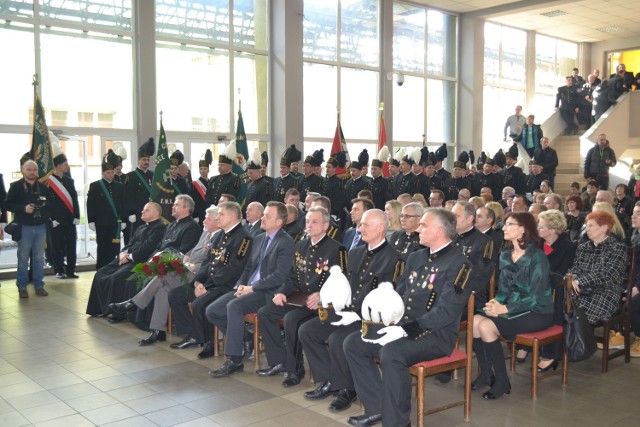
(207, 351)
(444, 377)
(293, 378)
(247, 349)
(227, 368)
(273, 370)
(553, 365)
(185, 343)
(480, 382)
(494, 394)
(116, 319)
(322, 391)
(121, 308)
(72, 276)
(343, 400)
(61, 276)
(364, 420)
(156, 335)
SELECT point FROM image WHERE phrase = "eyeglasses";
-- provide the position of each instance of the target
(509, 224)
(408, 216)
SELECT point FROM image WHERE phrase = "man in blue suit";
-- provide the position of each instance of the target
(272, 257)
(352, 238)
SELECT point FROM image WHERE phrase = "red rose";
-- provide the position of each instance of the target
(155, 259)
(175, 263)
(147, 270)
(162, 269)
(179, 270)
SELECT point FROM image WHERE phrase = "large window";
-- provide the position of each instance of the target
(424, 52)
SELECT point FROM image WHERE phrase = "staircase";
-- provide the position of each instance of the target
(569, 163)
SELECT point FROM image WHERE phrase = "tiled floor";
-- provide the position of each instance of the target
(58, 367)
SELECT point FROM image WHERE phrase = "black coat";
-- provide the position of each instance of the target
(137, 194)
(99, 210)
(21, 194)
(181, 235)
(222, 184)
(58, 208)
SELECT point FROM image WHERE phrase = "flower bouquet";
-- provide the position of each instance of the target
(160, 265)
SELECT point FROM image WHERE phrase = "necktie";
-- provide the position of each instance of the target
(356, 240)
(256, 274)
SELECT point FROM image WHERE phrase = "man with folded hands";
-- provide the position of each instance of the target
(369, 265)
(297, 299)
(216, 277)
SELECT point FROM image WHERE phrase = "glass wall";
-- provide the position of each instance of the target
(555, 59)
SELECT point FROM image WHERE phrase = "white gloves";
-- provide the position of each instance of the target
(55, 223)
(348, 317)
(132, 218)
(92, 226)
(76, 221)
(123, 226)
(392, 333)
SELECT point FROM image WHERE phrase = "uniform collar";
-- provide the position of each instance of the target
(440, 252)
(467, 233)
(377, 249)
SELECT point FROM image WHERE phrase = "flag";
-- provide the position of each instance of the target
(162, 193)
(382, 141)
(339, 144)
(240, 162)
(41, 151)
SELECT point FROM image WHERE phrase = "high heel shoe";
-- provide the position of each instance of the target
(553, 365)
(156, 335)
(492, 395)
(522, 359)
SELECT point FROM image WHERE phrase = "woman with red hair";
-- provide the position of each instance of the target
(599, 268)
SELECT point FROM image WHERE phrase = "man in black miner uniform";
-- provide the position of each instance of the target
(420, 157)
(106, 212)
(535, 178)
(433, 182)
(217, 276)
(311, 182)
(512, 175)
(407, 240)
(313, 258)
(285, 181)
(441, 172)
(368, 266)
(292, 227)
(295, 162)
(427, 331)
(479, 250)
(334, 186)
(394, 169)
(264, 164)
(407, 181)
(380, 187)
(358, 181)
(226, 182)
(259, 189)
(487, 178)
(109, 281)
(485, 220)
(199, 187)
(566, 102)
(176, 181)
(458, 181)
(548, 158)
(138, 185)
(65, 215)
(334, 230)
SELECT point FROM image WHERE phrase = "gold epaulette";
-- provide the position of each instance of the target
(398, 271)
(343, 259)
(332, 231)
(488, 251)
(461, 279)
(244, 247)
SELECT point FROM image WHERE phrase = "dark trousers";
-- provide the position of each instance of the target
(193, 322)
(635, 315)
(294, 317)
(568, 115)
(64, 238)
(107, 249)
(388, 393)
(227, 313)
(328, 362)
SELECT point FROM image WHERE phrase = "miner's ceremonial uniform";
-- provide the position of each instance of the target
(310, 270)
(453, 187)
(533, 181)
(480, 250)
(283, 183)
(312, 183)
(365, 270)
(334, 189)
(435, 292)
(222, 184)
(105, 208)
(259, 191)
(137, 191)
(406, 183)
(405, 243)
(382, 190)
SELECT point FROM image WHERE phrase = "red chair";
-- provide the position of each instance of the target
(458, 359)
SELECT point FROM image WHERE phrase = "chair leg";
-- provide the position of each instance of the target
(627, 341)
(565, 367)
(534, 369)
(420, 397)
(216, 341)
(256, 344)
(605, 348)
(169, 321)
(512, 347)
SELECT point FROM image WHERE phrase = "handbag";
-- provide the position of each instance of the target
(15, 230)
(579, 340)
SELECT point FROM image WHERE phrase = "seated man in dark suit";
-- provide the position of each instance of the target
(271, 260)
(107, 285)
(181, 236)
(352, 237)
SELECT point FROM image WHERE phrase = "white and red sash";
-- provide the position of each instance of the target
(56, 185)
(200, 187)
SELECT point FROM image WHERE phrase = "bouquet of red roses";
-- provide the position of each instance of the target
(160, 265)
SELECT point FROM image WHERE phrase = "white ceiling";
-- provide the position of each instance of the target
(583, 21)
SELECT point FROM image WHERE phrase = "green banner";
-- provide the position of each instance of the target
(161, 191)
(40, 144)
(243, 157)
